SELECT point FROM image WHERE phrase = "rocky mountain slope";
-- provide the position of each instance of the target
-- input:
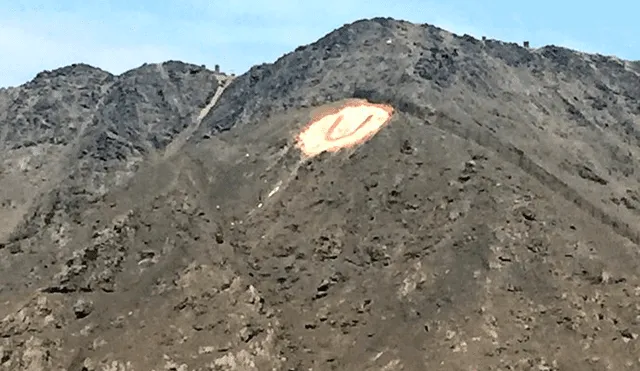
(164, 219)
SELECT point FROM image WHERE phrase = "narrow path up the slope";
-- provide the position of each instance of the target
(182, 138)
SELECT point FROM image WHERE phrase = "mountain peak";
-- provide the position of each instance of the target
(76, 71)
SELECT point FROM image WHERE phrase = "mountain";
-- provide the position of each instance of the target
(167, 219)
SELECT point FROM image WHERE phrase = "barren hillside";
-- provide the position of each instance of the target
(166, 219)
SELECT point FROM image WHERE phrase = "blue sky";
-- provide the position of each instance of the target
(118, 35)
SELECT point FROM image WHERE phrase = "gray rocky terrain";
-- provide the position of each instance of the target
(492, 225)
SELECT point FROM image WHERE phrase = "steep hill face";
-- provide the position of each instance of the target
(164, 219)
(537, 100)
(71, 135)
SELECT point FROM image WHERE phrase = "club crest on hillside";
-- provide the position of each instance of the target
(350, 124)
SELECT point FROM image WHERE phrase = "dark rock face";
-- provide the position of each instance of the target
(101, 127)
(141, 113)
(54, 107)
(147, 107)
(492, 225)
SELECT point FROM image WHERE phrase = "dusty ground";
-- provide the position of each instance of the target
(491, 225)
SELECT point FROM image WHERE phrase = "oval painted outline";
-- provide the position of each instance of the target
(328, 135)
